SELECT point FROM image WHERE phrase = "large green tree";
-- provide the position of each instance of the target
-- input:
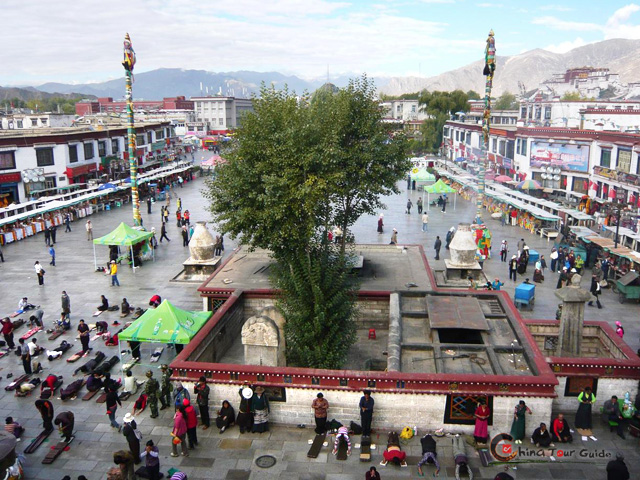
(439, 106)
(318, 301)
(297, 167)
(506, 101)
(363, 162)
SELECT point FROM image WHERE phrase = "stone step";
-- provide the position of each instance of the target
(492, 308)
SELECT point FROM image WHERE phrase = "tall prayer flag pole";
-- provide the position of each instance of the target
(128, 64)
(489, 69)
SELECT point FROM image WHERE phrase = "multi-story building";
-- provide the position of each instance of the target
(587, 81)
(25, 121)
(576, 162)
(403, 110)
(221, 114)
(541, 110)
(40, 159)
(404, 115)
(107, 105)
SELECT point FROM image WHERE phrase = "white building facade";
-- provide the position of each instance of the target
(25, 121)
(44, 159)
(221, 114)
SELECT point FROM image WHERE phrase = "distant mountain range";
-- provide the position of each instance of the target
(169, 82)
(530, 68)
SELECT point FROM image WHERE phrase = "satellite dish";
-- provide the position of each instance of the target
(41, 178)
(26, 180)
(556, 177)
(40, 171)
(556, 170)
(247, 393)
(543, 176)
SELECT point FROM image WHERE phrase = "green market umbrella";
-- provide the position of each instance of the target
(165, 324)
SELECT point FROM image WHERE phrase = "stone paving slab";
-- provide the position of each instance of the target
(235, 443)
(96, 440)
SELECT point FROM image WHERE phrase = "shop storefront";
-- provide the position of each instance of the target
(9, 188)
(82, 173)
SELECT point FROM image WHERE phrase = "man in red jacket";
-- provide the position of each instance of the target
(192, 423)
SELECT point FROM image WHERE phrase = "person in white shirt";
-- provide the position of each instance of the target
(24, 305)
(89, 228)
(39, 272)
(34, 348)
(425, 221)
(130, 383)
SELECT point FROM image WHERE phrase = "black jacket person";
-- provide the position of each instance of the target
(65, 423)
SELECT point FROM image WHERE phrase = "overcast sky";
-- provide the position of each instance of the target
(76, 42)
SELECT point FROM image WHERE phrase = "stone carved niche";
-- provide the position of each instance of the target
(274, 314)
(262, 342)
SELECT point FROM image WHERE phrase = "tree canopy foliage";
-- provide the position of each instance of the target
(506, 101)
(439, 106)
(297, 167)
(52, 104)
(473, 95)
(571, 97)
(405, 96)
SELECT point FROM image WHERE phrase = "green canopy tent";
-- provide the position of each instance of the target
(122, 236)
(438, 188)
(166, 324)
(422, 175)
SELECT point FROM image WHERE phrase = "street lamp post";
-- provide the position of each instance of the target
(128, 64)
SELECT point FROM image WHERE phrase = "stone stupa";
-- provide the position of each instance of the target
(202, 261)
(462, 250)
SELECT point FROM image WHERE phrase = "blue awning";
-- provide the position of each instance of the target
(460, 159)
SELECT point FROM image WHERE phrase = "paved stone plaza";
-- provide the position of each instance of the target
(232, 455)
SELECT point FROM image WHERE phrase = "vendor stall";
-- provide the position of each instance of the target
(438, 188)
(124, 236)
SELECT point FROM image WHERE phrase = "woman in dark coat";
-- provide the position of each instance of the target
(129, 428)
(541, 436)
(104, 306)
(562, 278)
(583, 415)
(522, 264)
(260, 409)
(245, 418)
(518, 427)
(226, 416)
(449, 237)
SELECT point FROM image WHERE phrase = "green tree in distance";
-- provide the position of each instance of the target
(506, 101)
(571, 97)
(439, 106)
(473, 95)
(608, 92)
